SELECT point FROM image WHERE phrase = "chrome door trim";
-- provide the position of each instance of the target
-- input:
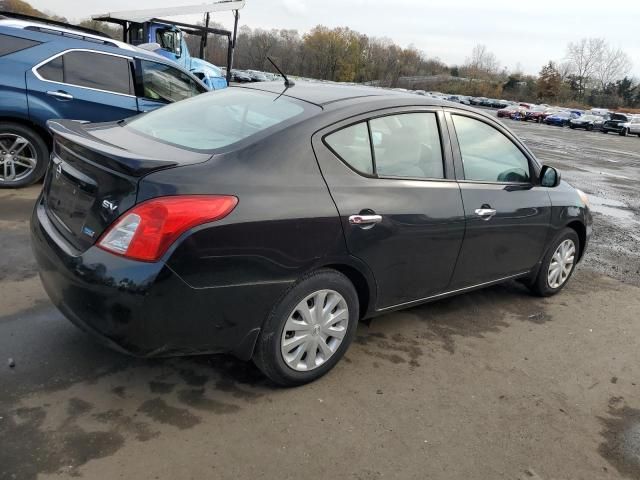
(59, 54)
(459, 290)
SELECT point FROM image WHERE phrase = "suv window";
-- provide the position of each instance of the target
(407, 145)
(10, 44)
(167, 84)
(92, 70)
(352, 145)
(487, 154)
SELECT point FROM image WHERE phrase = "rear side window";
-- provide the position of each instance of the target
(10, 44)
(487, 154)
(167, 84)
(407, 145)
(352, 145)
(404, 145)
(92, 70)
(217, 119)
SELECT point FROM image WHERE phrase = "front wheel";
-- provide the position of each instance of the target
(558, 264)
(23, 155)
(623, 132)
(309, 329)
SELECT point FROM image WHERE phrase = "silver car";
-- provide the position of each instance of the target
(632, 126)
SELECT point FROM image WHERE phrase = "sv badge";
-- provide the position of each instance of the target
(109, 205)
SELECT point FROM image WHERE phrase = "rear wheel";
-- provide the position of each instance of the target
(558, 264)
(23, 156)
(589, 127)
(309, 330)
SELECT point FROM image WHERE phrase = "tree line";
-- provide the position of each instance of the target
(590, 72)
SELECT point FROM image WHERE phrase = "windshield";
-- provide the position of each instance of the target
(217, 119)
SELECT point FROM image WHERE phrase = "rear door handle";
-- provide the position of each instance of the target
(486, 213)
(365, 221)
(60, 94)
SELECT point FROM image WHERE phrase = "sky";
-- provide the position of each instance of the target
(525, 34)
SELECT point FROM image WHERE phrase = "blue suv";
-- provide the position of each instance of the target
(51, 70)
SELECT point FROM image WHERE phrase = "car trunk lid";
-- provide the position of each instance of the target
(94, 173)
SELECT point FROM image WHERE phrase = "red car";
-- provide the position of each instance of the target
(512, 111)
(536, 113)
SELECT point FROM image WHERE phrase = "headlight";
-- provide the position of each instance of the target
(583, 196)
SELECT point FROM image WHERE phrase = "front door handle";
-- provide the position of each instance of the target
(486, 213)
(365, 221)
(60, 94)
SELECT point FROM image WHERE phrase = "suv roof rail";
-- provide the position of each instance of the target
(77, 36)
(47, 21)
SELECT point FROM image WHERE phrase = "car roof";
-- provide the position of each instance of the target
(322, 94)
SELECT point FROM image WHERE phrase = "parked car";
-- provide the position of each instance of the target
(240, 76)
(560, 119)
(51, 71)
(536, 113)
(257, 76)
(631, 127)
(283, 204)
(513, 112)
(616, 123)
(459, 99)
(588, 122)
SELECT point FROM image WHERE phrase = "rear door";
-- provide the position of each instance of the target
(82, 85)
(391, 177)
(507, 212)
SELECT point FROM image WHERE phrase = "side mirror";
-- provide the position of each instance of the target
(549, 177)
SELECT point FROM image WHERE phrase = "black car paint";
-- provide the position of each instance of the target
(214, 287)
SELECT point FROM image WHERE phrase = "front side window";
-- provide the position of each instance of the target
(217, 119)
(91, 70)
(407, 145)
(487, 154)
(167, 84)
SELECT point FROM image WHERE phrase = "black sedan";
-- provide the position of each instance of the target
(267, 222)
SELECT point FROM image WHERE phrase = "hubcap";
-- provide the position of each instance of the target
(314, 330)
(18, 158)
(562, 263)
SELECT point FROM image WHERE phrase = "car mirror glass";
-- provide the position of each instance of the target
(549, 177)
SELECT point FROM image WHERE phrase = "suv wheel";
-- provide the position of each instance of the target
(624, 132)
(558, 264)
(23, 156)
(309, 329)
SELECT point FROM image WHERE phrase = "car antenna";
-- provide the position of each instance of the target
(287, 83)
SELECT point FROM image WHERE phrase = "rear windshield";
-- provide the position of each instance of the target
(218, 119)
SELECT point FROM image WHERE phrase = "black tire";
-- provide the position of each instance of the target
(589, 128)
(40, 149)
(540, 286)
(268, 356)
(604, 131)
(572, 127)
(623, 132)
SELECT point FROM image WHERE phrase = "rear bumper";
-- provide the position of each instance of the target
(144, 309)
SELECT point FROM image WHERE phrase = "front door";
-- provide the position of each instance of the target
(507, 212)
(400, 206)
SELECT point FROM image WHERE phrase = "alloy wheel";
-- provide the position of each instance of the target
(562, 263)
(314, 330)
(18, 158)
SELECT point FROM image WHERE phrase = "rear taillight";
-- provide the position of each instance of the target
(148, 229)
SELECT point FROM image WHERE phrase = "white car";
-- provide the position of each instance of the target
(632, 126)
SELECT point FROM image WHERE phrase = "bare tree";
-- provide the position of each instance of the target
(583, 58)
(482, 62)
(613, 65)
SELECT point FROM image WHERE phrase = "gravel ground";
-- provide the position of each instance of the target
(494, 384)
